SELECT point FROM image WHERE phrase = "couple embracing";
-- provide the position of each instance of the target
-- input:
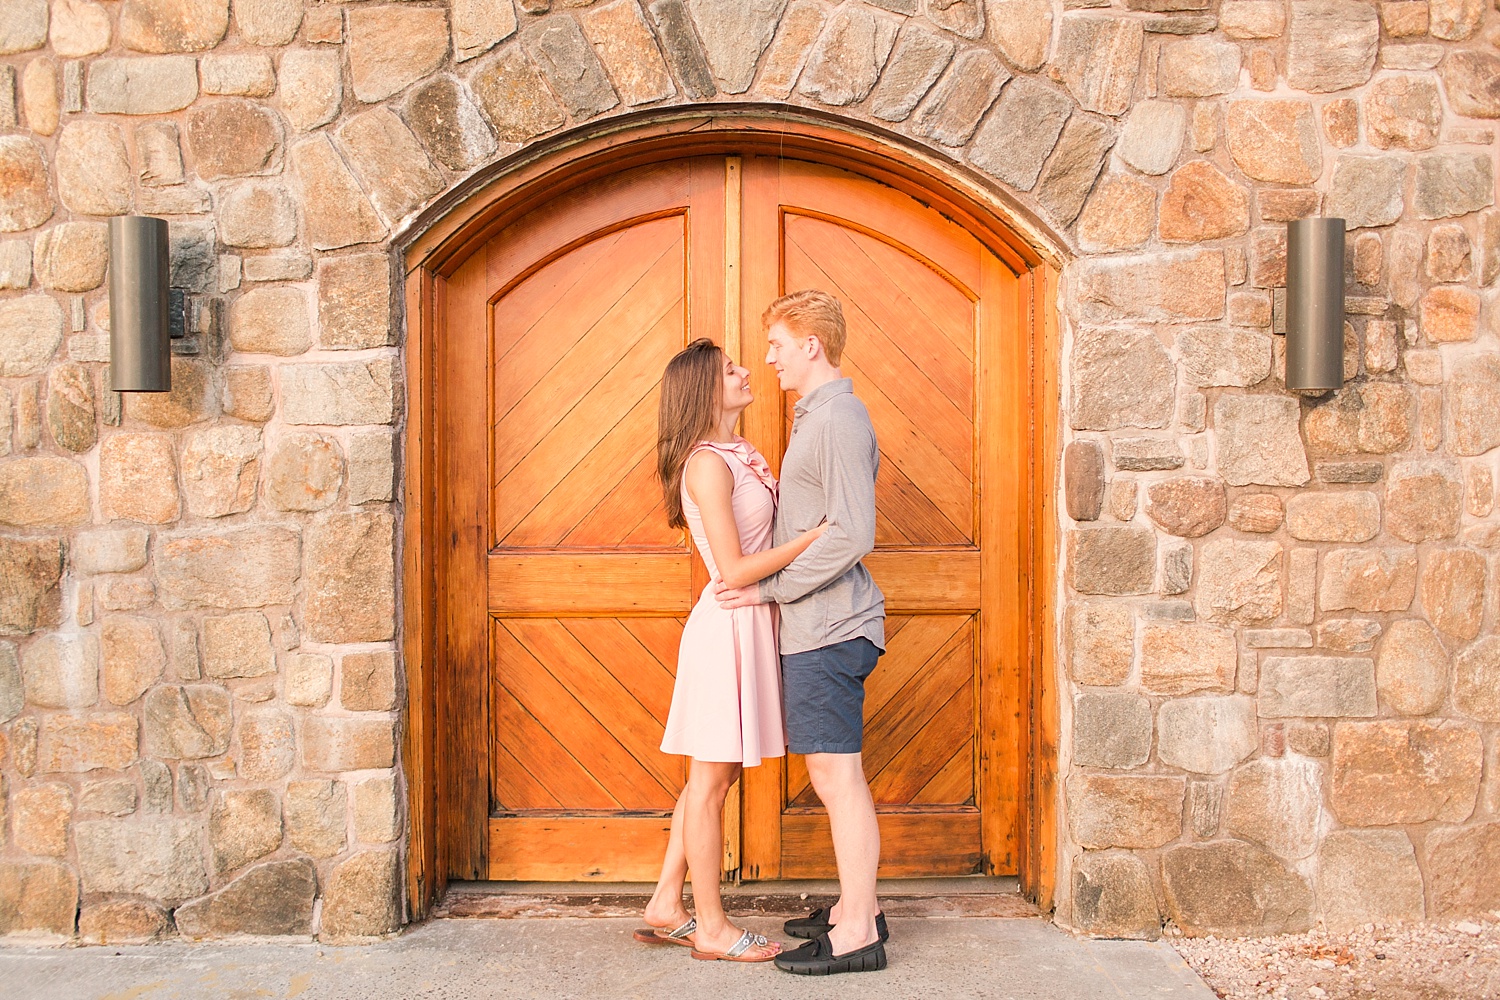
(741, 695)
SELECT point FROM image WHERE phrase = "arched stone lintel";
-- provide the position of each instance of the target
(500, 191)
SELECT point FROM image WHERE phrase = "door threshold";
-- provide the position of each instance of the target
(969, 896)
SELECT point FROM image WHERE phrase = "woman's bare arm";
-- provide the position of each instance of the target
(711, 485)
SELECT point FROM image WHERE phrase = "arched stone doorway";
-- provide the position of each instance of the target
(533, 713)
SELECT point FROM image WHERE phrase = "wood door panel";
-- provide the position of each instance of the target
(911, 845)
(578, 848)
(584, 583)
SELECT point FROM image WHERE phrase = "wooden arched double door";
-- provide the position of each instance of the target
(556, 332)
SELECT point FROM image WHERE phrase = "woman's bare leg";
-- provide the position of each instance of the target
(665, 908)
(703, 840)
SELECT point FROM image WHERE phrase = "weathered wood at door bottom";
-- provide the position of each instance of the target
(577, 848)
(911, 844)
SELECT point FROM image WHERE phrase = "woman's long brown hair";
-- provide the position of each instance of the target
(690, 391)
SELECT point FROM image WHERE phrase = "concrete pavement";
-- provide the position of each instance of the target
(589, 958)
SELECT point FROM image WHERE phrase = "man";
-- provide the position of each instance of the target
(832, 618)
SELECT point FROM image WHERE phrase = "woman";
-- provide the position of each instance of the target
(726, 704)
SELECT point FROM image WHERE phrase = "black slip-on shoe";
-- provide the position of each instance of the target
(816, 958)
(816, 923)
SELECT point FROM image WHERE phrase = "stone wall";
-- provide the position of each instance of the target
(1282, 668)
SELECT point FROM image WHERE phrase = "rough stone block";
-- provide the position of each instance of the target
(269, 899)
(1274, 140)
(1100, 639)
(368, 681)
(1099, 59)
(1368, 579)
(304, 472)
(1321, 686)
(241, 568)
(37, 898)
(157, 858)
(187, 721)
(1464, 871)
(377, 817)
(244, 826)
(1112, 560)
(122, 922)
(1334, 517)
(1111, 730)
(1187, 506)
(133, 658)
(1020, 133)
(1121, 378)
(337, 393)
(1233, 889)
(61, 670)
(1113, 898)
(1134, 811)
(76, 743)
(1388, 772)
(362, 896)
(1476, 680)
(1206, 735)
(348, 744)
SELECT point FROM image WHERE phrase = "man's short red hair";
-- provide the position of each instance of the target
(811, 313)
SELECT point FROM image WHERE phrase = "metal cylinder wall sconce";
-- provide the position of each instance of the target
(1315, 304)
(140, 352)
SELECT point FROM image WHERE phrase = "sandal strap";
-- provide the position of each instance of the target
(683, 932)
(745, 943)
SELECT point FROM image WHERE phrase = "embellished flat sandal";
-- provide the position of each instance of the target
(660, 935)
(736, 952)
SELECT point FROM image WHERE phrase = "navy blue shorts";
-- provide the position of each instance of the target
(824, 691)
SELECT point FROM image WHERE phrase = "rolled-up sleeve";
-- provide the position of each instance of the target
(847, 460)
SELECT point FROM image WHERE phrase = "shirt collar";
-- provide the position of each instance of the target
(823, 394)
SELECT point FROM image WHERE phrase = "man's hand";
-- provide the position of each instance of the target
(738, 597)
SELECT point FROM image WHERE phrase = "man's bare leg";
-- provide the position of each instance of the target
(839, 780)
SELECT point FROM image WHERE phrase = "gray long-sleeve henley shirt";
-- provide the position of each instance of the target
(826, 594)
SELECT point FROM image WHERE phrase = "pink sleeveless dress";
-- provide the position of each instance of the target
(726, 704)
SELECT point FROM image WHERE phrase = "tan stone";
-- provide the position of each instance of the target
(1276, 803)
(220, 469)
(310, 87)
(350, 579)
(1473, 400)
(368, 681)
(1233, 889)
(1455, 20)
(1332, 45)
(272, 320)
(1187, 506)
(133, 658)
(233, 138)
(1206, 734)
(238, 75)
(315, 816)
(12, 690)
(334, 209)
(124, 594)
(1252, 19)
(1375, 417)
(362, 896)
(142, 85)
(308, 679)
(1341, 122)
(245, 567)
(25, 26)
(358, 392)
(1136, 811)
(1099, 59)
(448, 121)
(30, 332)
(372, 470)
(93, 169)
(1274, 140)
(377, 818)
(1257, 512)
(1389, 772)
(122, 922)
(187, 722)
(173, 25)
(348, 744)
(1113, 897)
(37, 898)
(1153, 135)
(25, 201)
(1068, 176)
(1201, 204)
(1449, 255)
(846, 61)
(267, 22)
(1100, 640)
(1259, 442)
(61, 670)
(1403, 18)
(1476, 680)
(138, 478)
(269, 899)
(388, 158)
(247, 392)
(72, 256)
(1381, 354)
(479, 25)
(393, 46)
(1334, 517)
(1424, 500)
(1449, 314)
(40, 108)
(77, 743)
(513, 95)
(43, 491)
(255, 215)
(267, 746)
(1111, 560)
(1021, 30)
(1403, 112)
(1240, 581)
(1171, 287)
(1453, 588)
(1217, 355)
(304, 472)
(1462, 866)
(1316, 686)
(1480, 485)
(1179, 658)
(1367, 190)
(187, 403)
(1368, 579)
(1368, 876)
(43, 817)
(626, 47)
(1119, 215)
(1348, 635)
(1469, 78)
(1202, 66)
(244, 826)
(1121, 378)
(70, 407)
(113, 796)
(238, 645)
